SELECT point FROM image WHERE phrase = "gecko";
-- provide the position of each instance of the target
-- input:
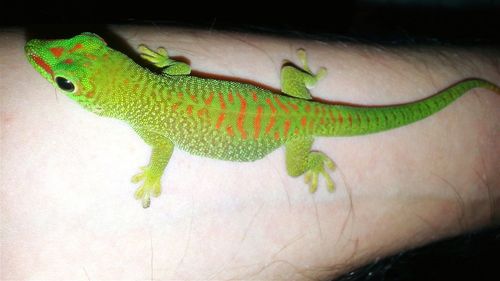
(215, 118)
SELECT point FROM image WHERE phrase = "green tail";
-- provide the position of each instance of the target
(350, 120)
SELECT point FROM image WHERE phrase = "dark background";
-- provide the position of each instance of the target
(472, 256)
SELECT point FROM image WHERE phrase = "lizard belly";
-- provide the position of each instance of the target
(205, 140)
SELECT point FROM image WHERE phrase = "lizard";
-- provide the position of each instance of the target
(215, 118)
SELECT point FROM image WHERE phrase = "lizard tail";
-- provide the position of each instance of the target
(352, 120)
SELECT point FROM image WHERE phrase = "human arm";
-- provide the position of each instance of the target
(66, 192)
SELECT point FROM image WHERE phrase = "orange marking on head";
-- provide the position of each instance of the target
(189, 110)
(175, 106)
(222, 103)
(286, 128)
(277, 135)
(38, 60)
(220, 120)
(68, 61)
(293, 106)
(208, 100)
(303, 121)
(90, 56)
(230, 97)
(125, 82)
(230, 131)
(256, 122)
(255, 97)
(76, 47)
(281, 105)
(307, 108)
(57, 51)
(90, 94)
(180, 95)
(241, 116)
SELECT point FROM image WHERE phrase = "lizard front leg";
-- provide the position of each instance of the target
(161, 59)
(152, 173)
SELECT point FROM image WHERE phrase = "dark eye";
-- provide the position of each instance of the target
(65, 84)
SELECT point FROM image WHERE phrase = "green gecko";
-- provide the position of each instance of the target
(215, 118)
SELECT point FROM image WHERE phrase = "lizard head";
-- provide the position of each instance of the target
(71, 65)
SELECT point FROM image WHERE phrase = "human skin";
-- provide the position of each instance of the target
(67, 206)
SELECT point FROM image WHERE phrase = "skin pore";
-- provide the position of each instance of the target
(67, 201)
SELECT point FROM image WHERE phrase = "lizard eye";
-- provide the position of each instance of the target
(65, 85)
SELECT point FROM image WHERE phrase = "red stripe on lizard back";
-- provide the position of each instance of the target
(230, 131)
(254, 97)
(208, 100)
(281, 105)
(175, 106)
(241, 116)
(303, 121)
(222, 103)
(272, 119)
(220, 120)
(257, 120)
(293, 106)
(332, 117)
(203, 112)
(287, 127)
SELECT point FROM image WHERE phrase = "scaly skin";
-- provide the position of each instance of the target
(215, 118)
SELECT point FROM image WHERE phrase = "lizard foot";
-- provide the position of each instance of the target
(296, 81)
(161, 59)
(151, 186)
(318, 161)
(158, 58)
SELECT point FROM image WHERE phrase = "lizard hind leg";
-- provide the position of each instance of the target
(296, 82)
(301, 160)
